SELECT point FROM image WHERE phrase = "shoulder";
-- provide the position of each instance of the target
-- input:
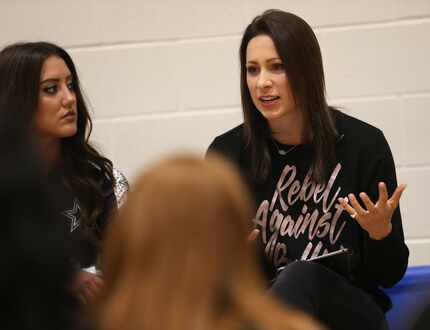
(357, 132)
(228, 143)
(113, 185)
(354, 126)
(236, 133)
(120, 187)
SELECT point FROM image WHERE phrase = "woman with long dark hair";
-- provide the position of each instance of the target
(40, 90)
(324, 182)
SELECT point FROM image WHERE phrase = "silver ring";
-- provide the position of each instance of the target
(353, 215)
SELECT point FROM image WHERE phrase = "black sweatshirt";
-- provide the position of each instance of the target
(300, 219)
(67, 205)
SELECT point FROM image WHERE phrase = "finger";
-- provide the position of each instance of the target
(343, 201)
(348, 208)
(367, 202)
(92, 286)
(383, 193)
(94, 290)
(98, 282)
(253, 236)
(356, 205)
(95, 279)
(81, 298)
(395, 198)
(88, 292)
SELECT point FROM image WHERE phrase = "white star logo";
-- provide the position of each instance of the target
(74, 215)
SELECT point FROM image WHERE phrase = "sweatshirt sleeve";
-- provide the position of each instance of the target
(224, 148)
(215, 146)
(229, 145)
(386, 260)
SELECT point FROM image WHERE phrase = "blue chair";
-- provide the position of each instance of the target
(409, 296)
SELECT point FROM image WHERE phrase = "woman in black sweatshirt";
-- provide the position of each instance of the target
(323, 181)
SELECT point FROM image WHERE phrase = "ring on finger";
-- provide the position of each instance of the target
(353, 215)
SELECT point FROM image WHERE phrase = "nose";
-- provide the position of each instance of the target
(69, 97)
(264, 80)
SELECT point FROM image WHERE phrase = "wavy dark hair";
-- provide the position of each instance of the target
(300, 53)
(84, 168)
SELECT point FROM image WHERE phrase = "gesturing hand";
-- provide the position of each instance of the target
(374, 218)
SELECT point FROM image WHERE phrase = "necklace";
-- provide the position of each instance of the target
(283, 152)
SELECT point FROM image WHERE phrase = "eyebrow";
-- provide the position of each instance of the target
(269, 60)
(55, 79)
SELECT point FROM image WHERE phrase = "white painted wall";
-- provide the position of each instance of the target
(163, 75)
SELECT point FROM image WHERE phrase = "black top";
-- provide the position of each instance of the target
(67, 206)
(300, 219)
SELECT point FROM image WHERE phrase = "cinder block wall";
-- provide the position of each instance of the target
(163, 76)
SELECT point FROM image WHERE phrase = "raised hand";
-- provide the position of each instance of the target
(375, 218)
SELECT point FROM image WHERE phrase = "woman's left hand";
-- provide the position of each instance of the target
(374, 218)
(86, 286)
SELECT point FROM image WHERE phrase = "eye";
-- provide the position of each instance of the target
(50, 89)
(277, 67)
(71, 85)
(252, 70)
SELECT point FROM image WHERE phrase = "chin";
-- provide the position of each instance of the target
(68, 133)
(272, 115)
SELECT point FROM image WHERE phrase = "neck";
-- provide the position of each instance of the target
(51, 149)
(289, 130)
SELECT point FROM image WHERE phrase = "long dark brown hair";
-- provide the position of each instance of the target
(300, 53)
(84, 168)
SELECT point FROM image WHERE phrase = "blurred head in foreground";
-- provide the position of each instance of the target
(178, 256)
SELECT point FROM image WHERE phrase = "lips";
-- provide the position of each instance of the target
(69, 115)
(269, 100)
